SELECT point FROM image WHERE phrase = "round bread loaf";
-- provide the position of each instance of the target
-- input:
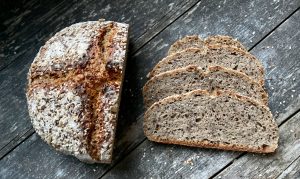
(74, 86)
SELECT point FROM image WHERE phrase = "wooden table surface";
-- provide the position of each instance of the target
(269, 29)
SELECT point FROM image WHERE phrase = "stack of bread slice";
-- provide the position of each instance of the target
(209, 93)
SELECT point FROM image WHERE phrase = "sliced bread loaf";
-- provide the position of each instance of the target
(224, 40)
(217, 55)
(192, 77)
(222, 120)
(194, 41)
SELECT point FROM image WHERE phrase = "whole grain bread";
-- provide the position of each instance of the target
(192, 77)
(222, 120)
(74, 89)
(193, 41)
(217, 55)
(224, 41)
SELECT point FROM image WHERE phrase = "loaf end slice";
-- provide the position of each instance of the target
(74, 86)
(193, 41)
(193, 77)
(224, 41)
(221, 120)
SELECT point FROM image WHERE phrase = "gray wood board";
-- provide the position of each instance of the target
(282, 72)
(14, 119)
(242, 22)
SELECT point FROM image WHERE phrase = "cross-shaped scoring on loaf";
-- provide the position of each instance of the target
(74, 85)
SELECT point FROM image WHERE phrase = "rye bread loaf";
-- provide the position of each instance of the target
(192, 77)
(222, 120)
(74, 89)
(224, 41)
(193, 41)
(217, 55)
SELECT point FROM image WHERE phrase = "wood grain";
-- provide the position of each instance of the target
(14, 118)
(293, 171)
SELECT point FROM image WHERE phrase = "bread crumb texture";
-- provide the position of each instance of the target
(220, 120)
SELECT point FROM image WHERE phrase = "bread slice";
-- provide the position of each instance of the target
(225, 41)
(222, 120)
(216, 55)
(192, 77)
(193, 41)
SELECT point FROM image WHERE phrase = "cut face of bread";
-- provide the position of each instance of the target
(228, 57)
(222, 120)
(74, 89)
(224, 41)
(194, 41)
(192, 77)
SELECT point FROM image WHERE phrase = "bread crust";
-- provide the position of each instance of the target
(82, 66)
(207, 144)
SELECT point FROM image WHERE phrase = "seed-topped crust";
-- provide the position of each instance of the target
(74, 87)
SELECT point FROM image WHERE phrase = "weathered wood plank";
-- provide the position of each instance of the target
(269, 166)
(293, 171)
(14, 119)
(273, 50)
(37, 160)
(21, 32)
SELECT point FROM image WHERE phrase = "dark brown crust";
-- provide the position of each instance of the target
(194, 50)
(224, 146)
(243, 76)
